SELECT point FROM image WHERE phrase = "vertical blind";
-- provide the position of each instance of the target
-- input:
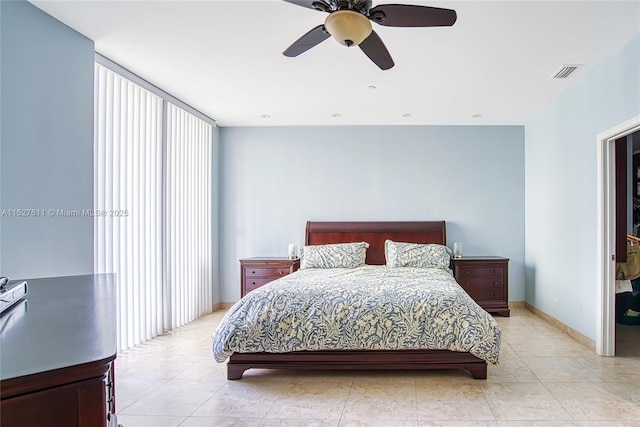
(187, 219)
(152, 207)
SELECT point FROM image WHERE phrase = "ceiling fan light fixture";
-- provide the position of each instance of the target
(349, 28)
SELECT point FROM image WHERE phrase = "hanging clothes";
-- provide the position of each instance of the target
(630, 270)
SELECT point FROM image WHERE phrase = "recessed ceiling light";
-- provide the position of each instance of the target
(475, 116)
(406, 115)
(265, 116)
(336, 115)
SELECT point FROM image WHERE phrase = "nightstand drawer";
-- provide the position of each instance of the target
(485, 295)
(486, 280)
(266, 272)
(252, 284)
(481, 282)
(480, 271)
(256, 272)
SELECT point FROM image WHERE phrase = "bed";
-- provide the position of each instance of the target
(472, 350)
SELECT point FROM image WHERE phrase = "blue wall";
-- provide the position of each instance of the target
(561, 188)
(274, 179)
(46, 144)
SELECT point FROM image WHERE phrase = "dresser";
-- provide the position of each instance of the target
(256, 272)
(58, 351)
(486, 280)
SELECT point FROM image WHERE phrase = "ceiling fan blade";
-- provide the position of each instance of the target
(375, 49)
(312, 38)
(406, 15)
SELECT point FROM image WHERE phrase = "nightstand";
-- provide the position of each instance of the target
(486, 280)
(256, 272)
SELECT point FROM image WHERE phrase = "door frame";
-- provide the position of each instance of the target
(606, 264)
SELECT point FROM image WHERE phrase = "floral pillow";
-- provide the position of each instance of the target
(340, 255)
(400, 254)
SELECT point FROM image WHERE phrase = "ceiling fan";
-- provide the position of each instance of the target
(349, 23)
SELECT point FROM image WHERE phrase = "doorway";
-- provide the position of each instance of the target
(627, 306)
(605, 300)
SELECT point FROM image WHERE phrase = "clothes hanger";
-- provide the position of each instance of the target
(633, 239)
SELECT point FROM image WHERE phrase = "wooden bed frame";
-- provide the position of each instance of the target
(374, 233)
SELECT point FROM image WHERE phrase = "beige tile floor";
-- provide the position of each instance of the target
(544, 379)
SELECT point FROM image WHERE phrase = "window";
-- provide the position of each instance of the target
(152, 206)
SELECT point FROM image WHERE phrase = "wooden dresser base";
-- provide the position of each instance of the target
(58, 355)
(357, 360)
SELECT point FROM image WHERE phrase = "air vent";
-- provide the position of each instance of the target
(565, 71)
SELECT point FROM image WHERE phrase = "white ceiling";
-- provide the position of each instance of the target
(225, 59)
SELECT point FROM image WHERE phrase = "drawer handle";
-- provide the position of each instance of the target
(253, 283)
(280, 272)
(253, 272)
(495, 271)
(495, 283)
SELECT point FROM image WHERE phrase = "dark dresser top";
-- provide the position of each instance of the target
(66, 321)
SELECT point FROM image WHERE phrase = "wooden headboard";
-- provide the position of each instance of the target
(375, 233)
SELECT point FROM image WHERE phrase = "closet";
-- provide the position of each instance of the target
(627, 309)
(628, 285)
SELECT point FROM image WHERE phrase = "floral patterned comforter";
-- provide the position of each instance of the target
(369, 307)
